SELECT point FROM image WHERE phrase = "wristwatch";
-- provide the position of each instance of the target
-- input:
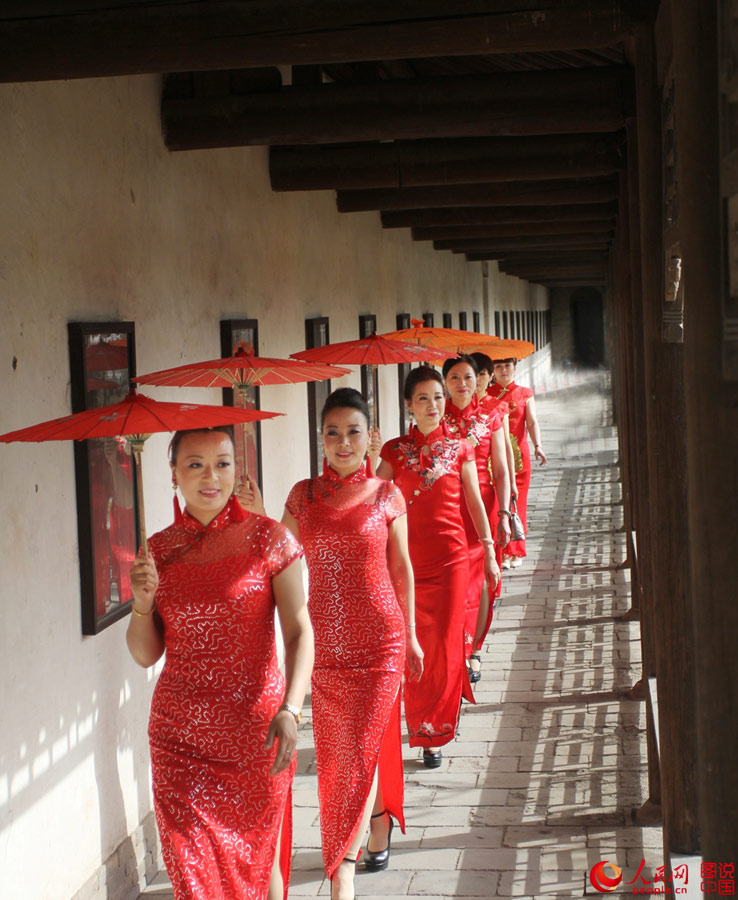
(294, 710)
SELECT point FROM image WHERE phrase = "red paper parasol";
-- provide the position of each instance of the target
(241, 371)
(136, 418)
(441, 338)
(502, 348)
(370, 351)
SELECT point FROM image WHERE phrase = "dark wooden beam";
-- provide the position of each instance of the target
(535, 273)
(533, 228)
(566, 101)
(55, 40)
(469, 232)
(455, 161)
(541, 260)
(518, 193)
(427, 219)
(545, 242)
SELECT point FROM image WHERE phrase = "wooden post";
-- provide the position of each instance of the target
(711, 423)
(667, 454)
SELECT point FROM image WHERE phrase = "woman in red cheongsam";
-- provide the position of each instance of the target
(222, 729)
(433, 469)
(465, 417)
(523, 419)
(354, 532)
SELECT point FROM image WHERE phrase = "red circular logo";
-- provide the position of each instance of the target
(601, 881)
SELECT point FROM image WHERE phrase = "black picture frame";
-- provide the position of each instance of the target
(102, 361)
(370, 374)
(447, 319)
(244, 333)
(317, 334)
(477, 321)
(403, 321)
(463, 321)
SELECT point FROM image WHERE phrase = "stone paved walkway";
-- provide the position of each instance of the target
(540, 782)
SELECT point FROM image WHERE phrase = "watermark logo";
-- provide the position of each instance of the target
(603, 881)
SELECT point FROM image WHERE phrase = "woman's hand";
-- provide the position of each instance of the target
(503, 531)
(283, 730)
(540, 455)
(144, 582)
(492, 572)
(514, 490)
(249, 496)
(413, 656)
(374, 447)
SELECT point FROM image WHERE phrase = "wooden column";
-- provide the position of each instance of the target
(649, 811)
(667, 455)
(712, 427)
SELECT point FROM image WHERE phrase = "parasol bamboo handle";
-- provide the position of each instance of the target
(375, 391)
(140, 514)
(245, 473)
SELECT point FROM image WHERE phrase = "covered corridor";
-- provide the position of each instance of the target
(550, 764)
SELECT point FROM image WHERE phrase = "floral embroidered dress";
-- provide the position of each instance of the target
(428, 472)
(516, 396)
(477, 425)
(217, 807)
(359, 631)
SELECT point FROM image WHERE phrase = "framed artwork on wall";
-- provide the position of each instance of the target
(102, 360)
(244, 334)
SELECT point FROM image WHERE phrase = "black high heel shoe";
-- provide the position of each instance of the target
(475, 675)
(377, 862)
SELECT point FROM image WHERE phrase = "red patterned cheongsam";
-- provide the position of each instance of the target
(428, 472)
(517, 398)
(217, 807)
(359, 631)
(477, 424)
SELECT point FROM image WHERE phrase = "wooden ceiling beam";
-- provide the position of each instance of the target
(454, 161)
(468, 232)
(542, 243)
(519, 193)
(567, 101)
(57, 39)
(427, 219)
(525, 230)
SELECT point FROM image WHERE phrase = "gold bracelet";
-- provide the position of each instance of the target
(143, 615)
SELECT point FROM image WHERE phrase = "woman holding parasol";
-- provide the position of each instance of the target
(353, 528)
(223, 720)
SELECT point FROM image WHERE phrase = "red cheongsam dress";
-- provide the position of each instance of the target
(477, 425)
(428, 472)
(359, 631)
(516, 396)
(217, 807)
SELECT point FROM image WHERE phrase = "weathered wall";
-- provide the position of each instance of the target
(100, 222)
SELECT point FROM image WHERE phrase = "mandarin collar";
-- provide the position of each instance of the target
(502, 390)
(469, 410)
(231, 512)
(419, 439)
(364, 471)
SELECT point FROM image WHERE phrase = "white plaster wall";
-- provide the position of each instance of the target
(99, 222)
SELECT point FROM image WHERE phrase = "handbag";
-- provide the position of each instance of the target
(517, 532)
